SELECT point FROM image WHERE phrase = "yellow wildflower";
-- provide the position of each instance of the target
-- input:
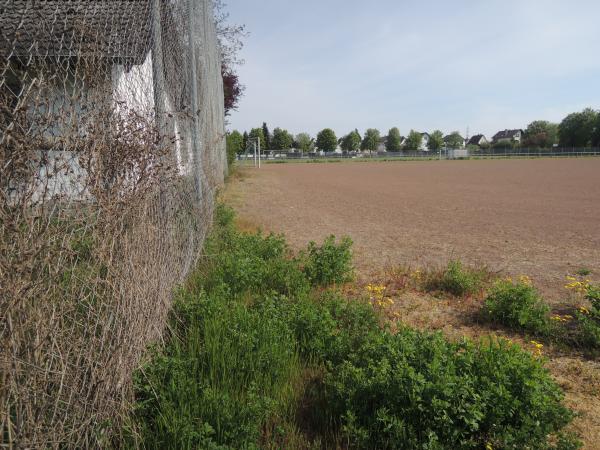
(538, 347)
(524, 279)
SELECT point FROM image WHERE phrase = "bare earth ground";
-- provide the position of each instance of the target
(534, 217)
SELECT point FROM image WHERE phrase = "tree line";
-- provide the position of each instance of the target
(578, 129)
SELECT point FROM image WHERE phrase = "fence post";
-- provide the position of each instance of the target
(164, 125)
(193, 75)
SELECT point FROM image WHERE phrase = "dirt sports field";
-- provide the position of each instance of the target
(536, 217)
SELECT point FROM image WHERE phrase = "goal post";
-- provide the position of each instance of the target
(253, 145)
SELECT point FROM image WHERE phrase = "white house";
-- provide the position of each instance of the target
(508, 136)
(478, 139)
(424, 142)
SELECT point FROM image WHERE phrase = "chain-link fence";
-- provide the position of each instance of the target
(501, 153)
(111, 148)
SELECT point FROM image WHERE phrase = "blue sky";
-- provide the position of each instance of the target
(424, 65)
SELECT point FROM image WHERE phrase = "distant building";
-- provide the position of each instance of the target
(424, 142)
(508, 136)
(381, 145)
(478, 139)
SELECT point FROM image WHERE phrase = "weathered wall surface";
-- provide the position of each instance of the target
(111, 150)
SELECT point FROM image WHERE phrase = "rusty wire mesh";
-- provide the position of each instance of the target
(111, 148)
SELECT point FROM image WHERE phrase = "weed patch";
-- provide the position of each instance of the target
(517, 305)
(455, 279)
(330, 263)
(416, 390)
(588, 318)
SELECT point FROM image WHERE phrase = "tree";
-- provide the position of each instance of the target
(541, 133)
(245, 141)
(414, 140)
(596, 135)
(304, 142)
(257, 133)
(282, 140)
(394, 141)
(577, 129)
(267, 136)
(235, 142)
(454, 140)
(504, 144)
(351, 142)
(436, 140)
(229, 41)
(370, 140)
(326, 140)
(232, 89)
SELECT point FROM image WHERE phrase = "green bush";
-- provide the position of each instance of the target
(329, 328)
(329, 263)
(589, 318)
(241, 262)
(517, 305)
(417, 390)
(455, 279)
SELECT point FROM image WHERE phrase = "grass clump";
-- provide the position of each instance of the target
(256, 357)
(330, 263)
(583, 272)
(226, 371)
(455, 279)
(517, 305)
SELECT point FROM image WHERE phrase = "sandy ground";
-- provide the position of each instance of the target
(535, 217)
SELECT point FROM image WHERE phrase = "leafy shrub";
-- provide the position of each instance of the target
(242, 262)
(455, 279)
(330, 263)
(517, 305)
(417, 390)
(331, 327)
(589, 318)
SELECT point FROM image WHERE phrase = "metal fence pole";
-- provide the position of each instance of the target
(193, 74)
